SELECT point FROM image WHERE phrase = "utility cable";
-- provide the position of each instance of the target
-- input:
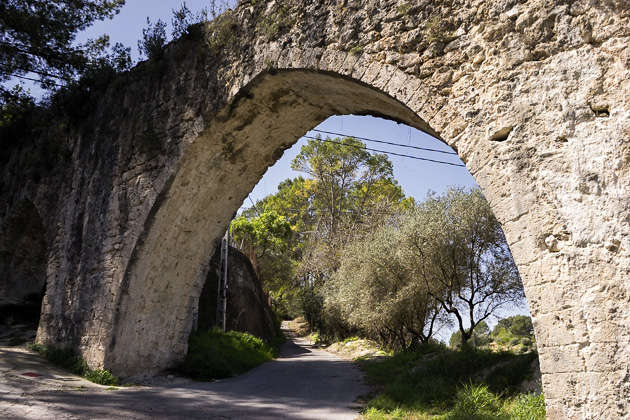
(26, 78)
(387, 142)
(254, 205)
(386, 152)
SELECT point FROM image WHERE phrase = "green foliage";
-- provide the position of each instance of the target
(349, 192)
(443, 261)
(356, 50)
(277, 21)
(67, 359)
(216, 354)
(376, 292)
(427, 381)
(311, 307)
(458, 250)
(433, 30)
(153, 40)
(221, 31)
(38, 37)
(515, 333)
(476, 402)
(529, 407)
(268, 230)
(480, 337)
(404, 8)
(187, 24)
(16, 112)
(518, 326)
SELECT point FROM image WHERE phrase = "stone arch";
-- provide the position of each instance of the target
(532, 95)
(23, 256)
(212, 180)
(549, 237)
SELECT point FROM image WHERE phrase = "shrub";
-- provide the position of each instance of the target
(529, 407)
(476, 402)
(221, 31)
(186, 23)
(277, 21)
(216, 354)
(153, 39)
(356, 50)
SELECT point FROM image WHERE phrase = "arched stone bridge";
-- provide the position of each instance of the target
(533, 95)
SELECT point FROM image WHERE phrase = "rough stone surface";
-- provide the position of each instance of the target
(248, 308)
(532, 95)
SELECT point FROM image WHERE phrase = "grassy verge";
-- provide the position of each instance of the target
(66, 359)
(435, 382)
(216, 354)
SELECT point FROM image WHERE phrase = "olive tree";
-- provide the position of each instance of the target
(376, 292)
(458, 250)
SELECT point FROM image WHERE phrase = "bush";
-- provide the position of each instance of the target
(153, 39)
(216, 354)
(529, 407)
(476, 402)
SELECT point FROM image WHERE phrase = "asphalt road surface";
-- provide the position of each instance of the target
(304, 383)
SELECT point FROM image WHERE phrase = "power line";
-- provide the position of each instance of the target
(254, 205)
(386, 152)
(41, 73)
(387, 142)
(26, 78)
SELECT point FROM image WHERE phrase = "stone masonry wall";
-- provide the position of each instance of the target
(248, 308)
(533, 95)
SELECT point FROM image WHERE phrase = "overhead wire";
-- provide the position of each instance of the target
(26, 78)
(386, 152)
(447, 152)
(254, 205)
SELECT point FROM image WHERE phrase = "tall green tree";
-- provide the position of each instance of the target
(459, 251)
(346, 193)
(348, 185)
(37, 38)
(444, 260)
(346, 179)
(265, 238)
(517, 325)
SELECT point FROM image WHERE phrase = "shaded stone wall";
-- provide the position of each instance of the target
(248, 309)
(23, 256)
(532, 95)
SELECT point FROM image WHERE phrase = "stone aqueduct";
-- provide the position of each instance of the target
(533, 95)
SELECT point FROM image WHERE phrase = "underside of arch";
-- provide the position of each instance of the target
(219, 169)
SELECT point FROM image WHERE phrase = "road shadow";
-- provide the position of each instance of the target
(301, 384)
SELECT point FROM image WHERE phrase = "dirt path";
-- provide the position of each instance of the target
(304, 383)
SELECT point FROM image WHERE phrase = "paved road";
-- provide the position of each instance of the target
(304, 383)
